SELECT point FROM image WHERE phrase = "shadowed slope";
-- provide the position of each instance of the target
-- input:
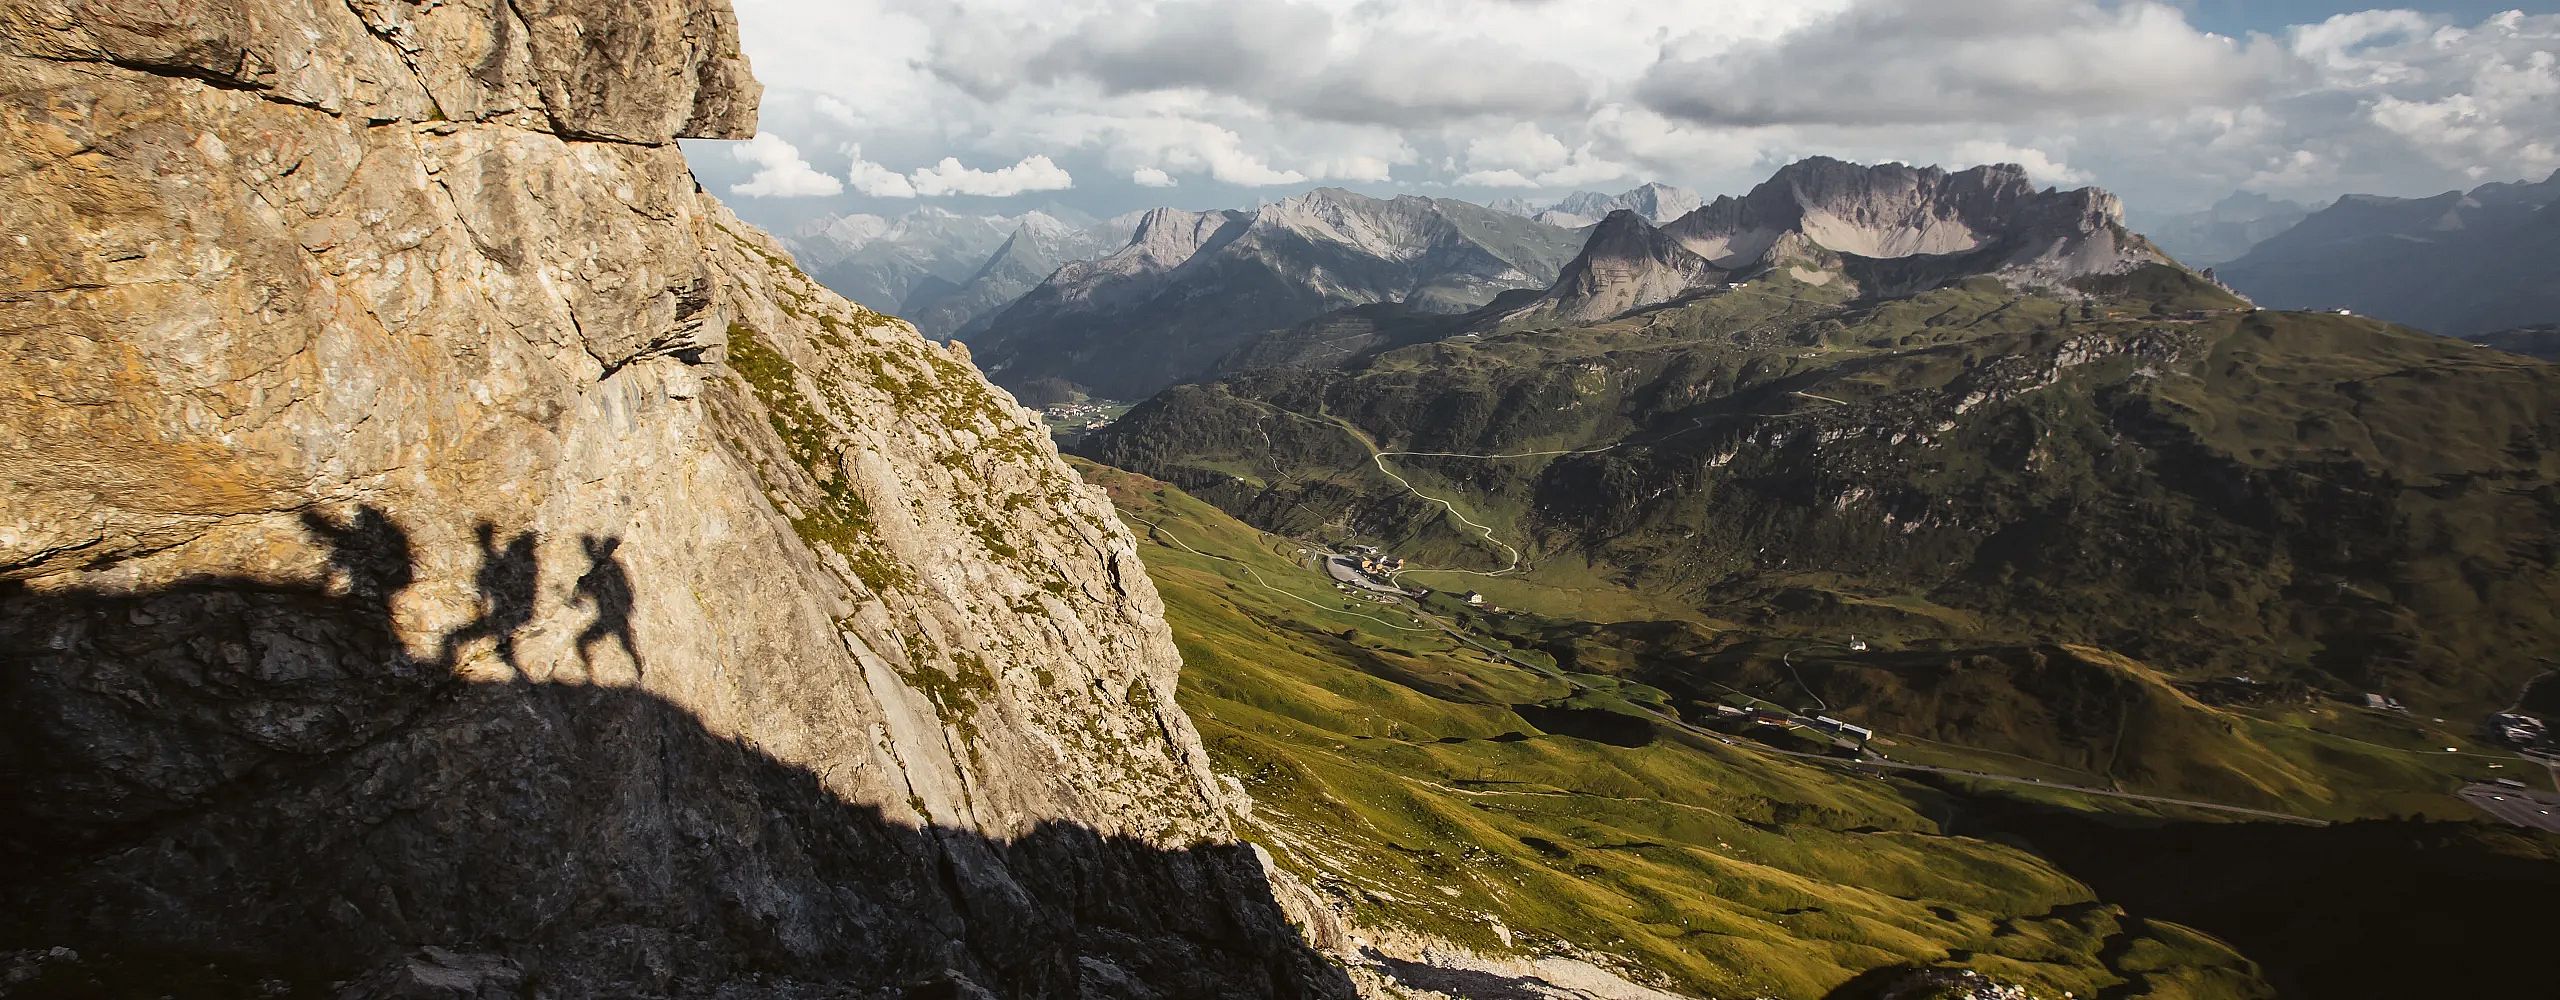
(259, 775)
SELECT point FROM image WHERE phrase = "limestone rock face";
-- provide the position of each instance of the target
(1628, 263)
(644, 72)
(427, 521)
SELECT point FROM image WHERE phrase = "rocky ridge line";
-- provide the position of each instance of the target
(1888, 229)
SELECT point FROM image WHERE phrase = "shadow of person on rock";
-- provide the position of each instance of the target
(120, 707)
(369, 550)
(509, 581)
(235, 786)
(607, 586)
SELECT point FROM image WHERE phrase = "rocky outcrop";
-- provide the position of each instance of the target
(1889, 229)
(431, 523)
(1627, 264)
(1892, 211)
(1190, 288)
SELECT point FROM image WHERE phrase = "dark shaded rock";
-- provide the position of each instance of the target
(438, 974)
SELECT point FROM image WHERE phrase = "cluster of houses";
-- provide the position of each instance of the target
(1091, 415)
(1376, 563)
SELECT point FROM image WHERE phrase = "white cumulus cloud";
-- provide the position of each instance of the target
(876, 180)
(780, 172)
(1526, 156)
(1239, 100)
(2041, 166)
(950, 177)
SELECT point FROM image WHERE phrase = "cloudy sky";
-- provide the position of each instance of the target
(1106, 106)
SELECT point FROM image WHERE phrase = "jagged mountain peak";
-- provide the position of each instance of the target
(1171, 235)
(1897, 210)
(1659, 203)
(1626, 232)
(1037, 221)
(1627, 263)
(1820, 215)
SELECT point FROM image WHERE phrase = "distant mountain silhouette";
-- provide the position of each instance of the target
(2459, 263)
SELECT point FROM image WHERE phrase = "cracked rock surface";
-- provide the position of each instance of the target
(432, 523)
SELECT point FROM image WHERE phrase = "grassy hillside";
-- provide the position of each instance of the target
(1398, 770)
(1406, 774)
(2312, 500)
(2071, 714)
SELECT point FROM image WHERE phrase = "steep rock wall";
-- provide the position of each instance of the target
(431, 521)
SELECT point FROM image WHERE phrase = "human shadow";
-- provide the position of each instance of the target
(509, 580)
(368, 550)
(231, 786)
(607, 585)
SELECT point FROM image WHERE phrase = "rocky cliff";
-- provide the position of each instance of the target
(1627, 264)
(432, 523)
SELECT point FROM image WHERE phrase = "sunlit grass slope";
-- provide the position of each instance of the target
(1396, 770)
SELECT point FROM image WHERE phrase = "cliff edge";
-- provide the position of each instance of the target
(432, 523)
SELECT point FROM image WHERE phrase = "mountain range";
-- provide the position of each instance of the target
(940, 269)
(2458, 263)
(1883, 230)
(1879, 383)
(2224, 231)
(446, 553)
(1656, 202)
(1036, 249)
(1192, 286)
(951, 273)
(882, 258)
